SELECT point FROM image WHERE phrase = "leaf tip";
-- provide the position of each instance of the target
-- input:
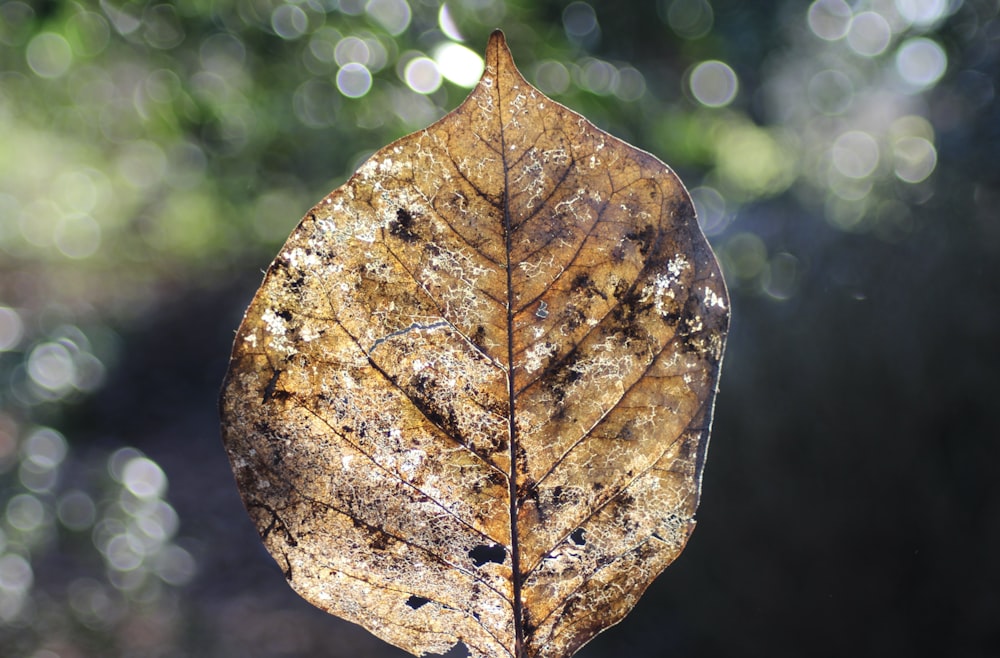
(496, 45)
(497, 39)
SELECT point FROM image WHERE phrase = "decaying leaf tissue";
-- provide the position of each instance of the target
(472, 397)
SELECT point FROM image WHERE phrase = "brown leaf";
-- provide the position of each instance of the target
(471, 399)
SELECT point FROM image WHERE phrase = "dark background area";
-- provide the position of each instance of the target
(850, 501)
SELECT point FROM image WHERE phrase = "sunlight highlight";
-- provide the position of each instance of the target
(458, 64)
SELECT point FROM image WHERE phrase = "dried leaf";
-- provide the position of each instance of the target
(472, 397)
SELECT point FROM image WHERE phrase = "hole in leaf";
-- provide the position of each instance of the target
(577, 537)
(482, 554)
(416, 602)
(457, 651)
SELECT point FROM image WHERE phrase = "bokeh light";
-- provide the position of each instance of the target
(88, 32)
(713, 83)
(289, 21)
(855, 154)
(162, 27)
(45, 447)
(50, 365)
(49, 55)
(175, 565)
(753, 162)
(552, 77)
(689, 19)
(580, 21)
(458, 64)
(914, 159)
(354, 80)
(830, 19)
(744, 255)
(869, 34)
(393, 15)
(351, 50)
(631, 84)
(76, 510)
(921, 62)
(25, 512)
(11, 328)
(422, 75)
(780, 278)
(597, 76)
(15, 573)
(77, 236)
(144, 478)
(922, 13)
(711, 208)
(447, 23)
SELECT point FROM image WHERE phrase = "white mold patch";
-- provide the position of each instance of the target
(535, 355)
(276, 327)
(665, 284)
(712, 299)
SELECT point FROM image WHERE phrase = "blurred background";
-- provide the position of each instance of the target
(845, 161)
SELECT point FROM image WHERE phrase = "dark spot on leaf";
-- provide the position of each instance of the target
(620, 289)
(559, 374)
(618, 253)
(497, 479)
(479, 337)
(402, 226)
(573, 317)
(644, 238)
(295, 279)
(577, 537)
(425, 391)
(271, 383)
(482, 554)
(377, 539)
(416, 602)
(627, 312)
(285, 315)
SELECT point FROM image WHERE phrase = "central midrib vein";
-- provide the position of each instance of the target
(515, 554)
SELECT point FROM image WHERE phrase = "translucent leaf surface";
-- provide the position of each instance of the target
(471, 399)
